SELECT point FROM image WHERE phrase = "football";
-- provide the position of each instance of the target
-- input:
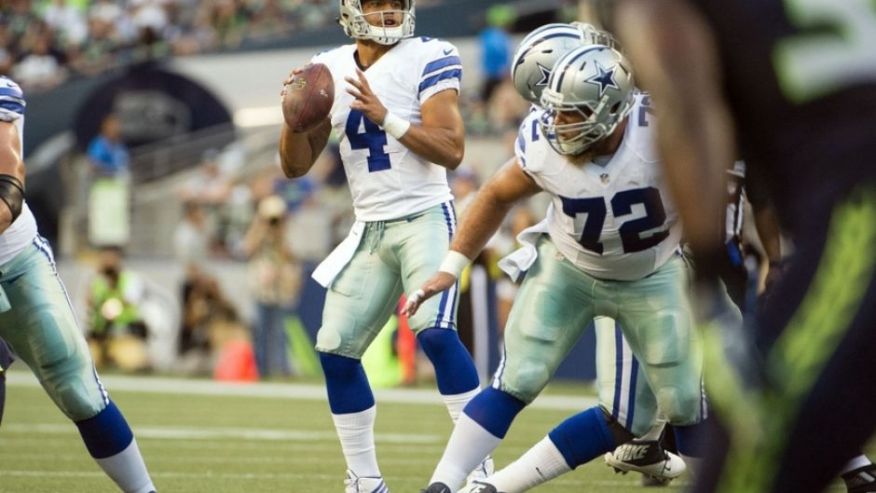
(308, 98)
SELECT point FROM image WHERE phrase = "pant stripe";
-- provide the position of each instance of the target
(618, 370)
(445, 312)
(631, 403)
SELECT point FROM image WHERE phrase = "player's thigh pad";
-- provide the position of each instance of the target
(621, 383)
(422, 244)
(360, 300)
(42, 329)
(656, 318)
(551, 310)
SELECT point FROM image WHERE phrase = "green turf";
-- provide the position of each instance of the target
(253, 445)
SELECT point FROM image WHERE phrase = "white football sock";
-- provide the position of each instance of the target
(456, 403)
(128, 470)
(356, 432)
(469, 444)
(857, 463)
(538, 465)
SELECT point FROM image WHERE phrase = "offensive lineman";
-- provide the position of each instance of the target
(37, 321)
(396, 111)
(609, 246)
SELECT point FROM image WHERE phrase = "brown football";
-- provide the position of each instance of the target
(308, 98)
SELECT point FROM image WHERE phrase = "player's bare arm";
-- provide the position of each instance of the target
(11, 175)
(299, 150)
(440, 138)
(673, 52)
(480, 222)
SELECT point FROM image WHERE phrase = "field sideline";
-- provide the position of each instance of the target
(198, 436)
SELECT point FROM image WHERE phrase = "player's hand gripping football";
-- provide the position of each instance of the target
(441, 281)
(295, 71)
(366, 101)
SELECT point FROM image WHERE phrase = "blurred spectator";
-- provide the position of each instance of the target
(191, 238)
(116, 332)
(496, 48)
(210, 189)
(209, 321)
(463, 183)
(109, 192)
(67, 20)
(41, 66)
(275, 280)
(107, 152)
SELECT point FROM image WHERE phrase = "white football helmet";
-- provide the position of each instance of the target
(596, 82)
(540, 50)
(356, 25)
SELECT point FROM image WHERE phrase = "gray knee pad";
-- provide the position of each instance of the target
(680, 407)
(527, 380)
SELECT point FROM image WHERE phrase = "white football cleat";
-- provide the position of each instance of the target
(484, 470)
(646, 457)
(364, 484)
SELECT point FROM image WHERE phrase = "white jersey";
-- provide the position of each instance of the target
(22, 232)
(613, 221)
(388, 181)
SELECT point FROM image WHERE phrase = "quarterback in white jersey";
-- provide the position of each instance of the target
(396, 113)
(37, 321)
(608, 247)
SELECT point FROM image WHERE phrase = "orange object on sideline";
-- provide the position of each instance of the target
(236, 363)
(406, 346)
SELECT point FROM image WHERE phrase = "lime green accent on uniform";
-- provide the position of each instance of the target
(41, 328)
(811, 337)
(101, 291)
(301, 352)
(393, 257)
(380, 360)
(557, 301)
(811, 65)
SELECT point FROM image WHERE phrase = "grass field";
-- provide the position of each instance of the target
(200, 437)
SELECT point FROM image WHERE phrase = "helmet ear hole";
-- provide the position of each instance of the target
(615, 107)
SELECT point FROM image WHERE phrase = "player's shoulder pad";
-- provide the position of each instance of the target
(12, 101)
(531, 145)
(644, 130)
(328, 56)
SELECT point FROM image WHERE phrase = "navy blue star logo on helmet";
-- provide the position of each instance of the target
(604, 78)
(545, 74)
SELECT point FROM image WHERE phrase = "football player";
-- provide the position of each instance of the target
(38, 323)
(621, 385)
(799, 89)
(396, 112)
(608, 246)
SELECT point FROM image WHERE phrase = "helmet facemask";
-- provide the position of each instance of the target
(597, 89)
(356, 25)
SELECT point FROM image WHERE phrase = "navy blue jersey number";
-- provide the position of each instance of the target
(595, 210)
(645, 111)
(373, 139)
(621, 205)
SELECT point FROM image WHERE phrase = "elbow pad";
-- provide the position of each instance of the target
(12, 194)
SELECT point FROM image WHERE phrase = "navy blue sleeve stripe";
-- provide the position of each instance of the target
(12, 92)
(435, 79)
(441, 63)
(12, 106)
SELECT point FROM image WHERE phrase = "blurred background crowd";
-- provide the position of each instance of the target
(151, 139)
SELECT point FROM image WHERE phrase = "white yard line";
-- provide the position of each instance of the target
(293, 391)
(226, 433)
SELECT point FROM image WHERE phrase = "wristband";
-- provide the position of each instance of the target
(395, 125)
(454, 263)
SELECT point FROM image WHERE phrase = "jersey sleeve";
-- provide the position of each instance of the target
(12, 102)
(441, 69)
(529, 147)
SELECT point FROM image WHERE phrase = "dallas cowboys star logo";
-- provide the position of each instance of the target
(604, 78)
(545, 74)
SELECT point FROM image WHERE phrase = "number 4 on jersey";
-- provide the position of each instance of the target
(373, 138)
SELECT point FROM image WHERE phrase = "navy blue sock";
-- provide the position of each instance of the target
(688, 439)
(106, 434)
(346, 383)
(454, 368)
(494, 410)
(583, 437)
